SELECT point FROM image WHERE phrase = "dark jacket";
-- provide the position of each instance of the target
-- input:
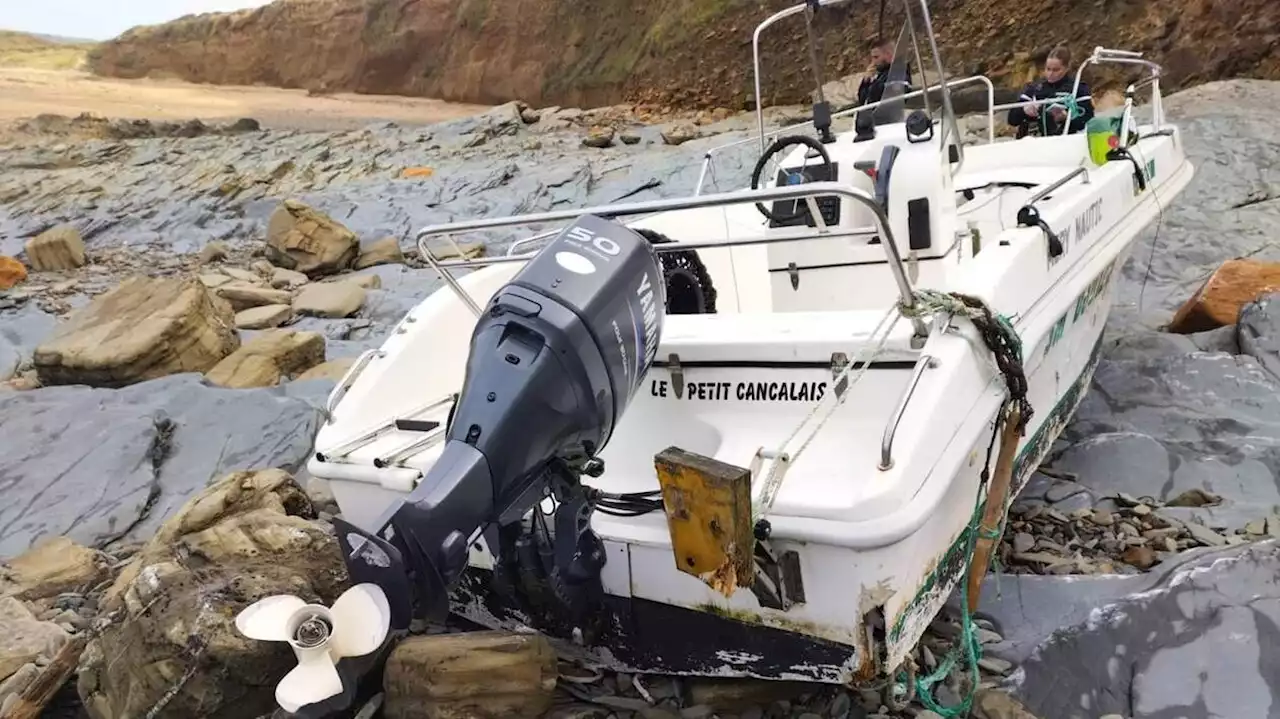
(871, 89)
(1045, 124)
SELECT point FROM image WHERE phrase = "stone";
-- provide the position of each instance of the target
(736, 695)
(143, 329)
(11, 272)
(247, 536)
(241, 274)
(18, 681)
(333, 369)
(213, 252)
(629, 138)
(382, 252)
(1023, 542)
(1218, 302)
(242, 295)
(679, 134)
(59, 248)
(23, 638)
(271, 356)
(53, 566)
(330, 299)
(995, 704)
(309, 241)
(264, 317)
(282, 279)
(470, 675)
(1142, 557)
(598, 137)
(212, 280)
(445, 250)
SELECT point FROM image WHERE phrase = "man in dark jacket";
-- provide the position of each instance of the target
(1047, 119)
(871, 89)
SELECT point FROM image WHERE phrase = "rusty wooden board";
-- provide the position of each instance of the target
(708, 508)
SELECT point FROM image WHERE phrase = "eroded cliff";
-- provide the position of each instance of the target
(690, 53)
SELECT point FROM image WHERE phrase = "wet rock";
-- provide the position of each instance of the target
(249, 535)
(53, 566)
(334, 300)
(383, 252)
(629, 138)
(265, 317)
(23, 638)
(105, 465)
(470, 675)
(143, 329)
(268, 358)
(11, 272)
(60, 248)
(309, 241)
(1219, 300)
(1258, 331)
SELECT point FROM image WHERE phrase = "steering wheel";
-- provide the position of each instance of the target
(776, 148)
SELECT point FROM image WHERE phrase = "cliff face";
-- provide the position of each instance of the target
(690, 53)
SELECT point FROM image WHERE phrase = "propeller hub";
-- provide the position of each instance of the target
(310, 627)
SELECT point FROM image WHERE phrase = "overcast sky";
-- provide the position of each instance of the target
(102, 19)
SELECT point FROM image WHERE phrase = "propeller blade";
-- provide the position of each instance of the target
(267, 619)
(313, 680)
(361, 620)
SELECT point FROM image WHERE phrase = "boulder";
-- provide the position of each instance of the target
(333, 369)
(241, 274)
(330, 299)
(273, 355)
(1217, 303)
(143, 329)
(23, 638)
(309, 241)
(383, 252)
(264, 317)
(249, 535)
(470, 675)
(242, 295)
(53, 566)
(11, 272)
(59, 248)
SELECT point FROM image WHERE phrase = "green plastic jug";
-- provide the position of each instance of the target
(1104, 135)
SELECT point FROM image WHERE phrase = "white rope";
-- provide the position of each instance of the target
(830, 401)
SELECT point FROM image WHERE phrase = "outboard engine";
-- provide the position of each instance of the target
(555, 360)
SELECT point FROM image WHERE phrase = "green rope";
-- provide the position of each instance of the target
(1067, 101)
(1001, 338)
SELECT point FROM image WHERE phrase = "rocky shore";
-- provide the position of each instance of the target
(176, 304)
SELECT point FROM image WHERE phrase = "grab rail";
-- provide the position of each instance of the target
(991, 121)
(886, 440)
(348, 379)
(1045, 192)
(786, 192)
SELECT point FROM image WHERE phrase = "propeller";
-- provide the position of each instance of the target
(355, 625)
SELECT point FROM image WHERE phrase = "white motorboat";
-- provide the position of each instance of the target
(822, 395)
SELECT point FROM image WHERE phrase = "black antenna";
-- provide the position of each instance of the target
(821, 108)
